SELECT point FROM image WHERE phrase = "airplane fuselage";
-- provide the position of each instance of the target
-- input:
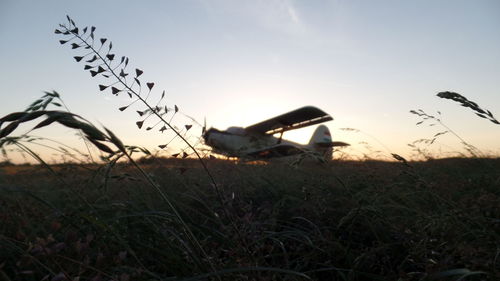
(260, 141)
(237, 143)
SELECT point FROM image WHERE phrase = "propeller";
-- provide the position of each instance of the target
(204, 129)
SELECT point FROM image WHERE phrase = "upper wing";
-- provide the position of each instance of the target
(302, 117)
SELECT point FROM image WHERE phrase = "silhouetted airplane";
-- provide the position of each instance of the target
(258, 140)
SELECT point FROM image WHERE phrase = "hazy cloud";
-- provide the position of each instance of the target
(277, 15)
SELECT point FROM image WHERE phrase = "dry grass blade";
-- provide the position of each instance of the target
(400, 158)
(115, 140)
(100, 145)
(8, 129)
(433, 120)
(483, 113)
(66, 119)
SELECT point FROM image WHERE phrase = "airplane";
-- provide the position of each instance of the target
(258, 141)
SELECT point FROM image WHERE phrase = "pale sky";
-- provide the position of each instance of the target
(367, 63)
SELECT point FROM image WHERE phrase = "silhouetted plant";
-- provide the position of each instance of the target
(370, 150)
(99, 60)
(483, 113)
(53, 98)
(103, 140)
(432, 120)
(67, 119)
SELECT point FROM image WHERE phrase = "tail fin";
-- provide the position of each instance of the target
(321, 142)
(321, 136)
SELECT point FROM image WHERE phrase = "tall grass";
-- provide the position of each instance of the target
(432, 120)
(343, 221)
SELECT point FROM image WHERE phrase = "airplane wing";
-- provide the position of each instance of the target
(279, 150)
(299, 118)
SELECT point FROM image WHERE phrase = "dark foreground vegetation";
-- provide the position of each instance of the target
(434, 220)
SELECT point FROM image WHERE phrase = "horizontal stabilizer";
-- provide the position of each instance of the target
(332, 144)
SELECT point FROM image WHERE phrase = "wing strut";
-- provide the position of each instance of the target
(281, 137)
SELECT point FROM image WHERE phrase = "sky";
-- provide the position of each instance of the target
(235, 63)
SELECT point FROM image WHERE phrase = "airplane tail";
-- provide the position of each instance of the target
(321, 142)
(321, 137)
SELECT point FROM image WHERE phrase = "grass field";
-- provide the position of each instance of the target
(346, 220)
